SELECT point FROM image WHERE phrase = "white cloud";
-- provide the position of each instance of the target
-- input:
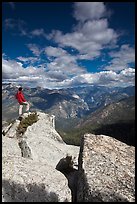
(13, 69)
(96, 78)
(89, 10)
(98, 31)
(58, 78)
(63, 62)
(88, 37)
(126, 52)
(27, 59)
(38, 33)
(106, 78)
(10, 69)
(122, 58)
(54, 51)
(129, 72)
(35, 49)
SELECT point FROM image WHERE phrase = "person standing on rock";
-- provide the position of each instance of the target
(22, 101)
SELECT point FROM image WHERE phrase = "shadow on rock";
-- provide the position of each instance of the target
(13, 192)
(66, 167)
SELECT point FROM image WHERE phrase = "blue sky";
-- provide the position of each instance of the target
(66, 44)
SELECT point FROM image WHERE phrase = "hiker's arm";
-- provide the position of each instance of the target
(22, 97)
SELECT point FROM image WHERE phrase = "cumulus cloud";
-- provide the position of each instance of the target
(53, 77)
(122, 58)
(89, 10)
(89, 37)
(13, 69)
(91, 34)
(34, 48)
(126, 52)
(102, 78)
(63, 62)
(9, 70)
(54, 51)
(60, 68)
(38, 33)
(27, 59)
(106, 78)
(128, 72)
(59, 61)
(48, 78)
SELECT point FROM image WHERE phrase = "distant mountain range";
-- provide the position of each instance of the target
(68, 105)
(122, 110)
(116, 119)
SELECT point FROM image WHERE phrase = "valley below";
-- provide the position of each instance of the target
(93, 109)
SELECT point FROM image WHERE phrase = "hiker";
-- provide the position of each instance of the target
(22, 101)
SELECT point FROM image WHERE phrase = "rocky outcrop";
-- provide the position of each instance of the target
(29, 162)
(11, 132)
(106, 170)
(38, 166)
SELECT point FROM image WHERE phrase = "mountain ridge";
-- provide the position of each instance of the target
(71, 103)
(116, 120)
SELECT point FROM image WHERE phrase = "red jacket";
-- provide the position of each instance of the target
(20, 97)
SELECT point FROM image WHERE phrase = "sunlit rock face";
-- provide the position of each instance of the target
(106, 170)
(29, 162)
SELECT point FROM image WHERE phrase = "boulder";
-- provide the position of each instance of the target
(45, 144)
(24, 180)
(106, 170)
(29, 162)
(12, 131)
